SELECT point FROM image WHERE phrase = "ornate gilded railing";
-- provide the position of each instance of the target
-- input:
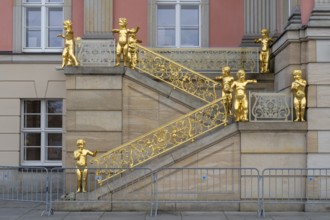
(213, 59)
(163, 139)
(177, 75)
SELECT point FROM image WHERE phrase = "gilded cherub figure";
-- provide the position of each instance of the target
(298, 87)
(265, 41)
(132, 41)
(122, 45)
(226, 82)
(241, 103)
(68, 56)
(80, 155)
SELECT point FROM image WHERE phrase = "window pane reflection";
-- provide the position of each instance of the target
(53, 40)
(166, 37)
(55, 16)
(32, 139)
(166, 15)
(189, 37)
(32, 106)
(54, 139)
(54, 106)
(189, 15)
(32, 153)
(32, 121)
(54, 121)
(33, 17)
(54, 153)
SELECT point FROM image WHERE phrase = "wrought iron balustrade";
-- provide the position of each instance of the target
(177, 75)
(270, 107)
(91, 52)
(213, 59)
(161, 140)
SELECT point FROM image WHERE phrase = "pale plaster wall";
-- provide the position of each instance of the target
(17, 82)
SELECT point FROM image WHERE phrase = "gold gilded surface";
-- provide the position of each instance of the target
(124, 34)
(226, 81)
(163, 139)
(68, 54)
(241, 104)
(178, 76)
(298, 88)
(80, 155)
(265, 41)
(132, 48)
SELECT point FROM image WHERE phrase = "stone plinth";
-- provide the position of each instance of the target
(93, 109)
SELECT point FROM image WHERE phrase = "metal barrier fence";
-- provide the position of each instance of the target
(206, 188)
(169, 189)
(295, 186)
(133, 189)
(29, 184)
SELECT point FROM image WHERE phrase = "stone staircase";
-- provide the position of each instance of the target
(222, 147)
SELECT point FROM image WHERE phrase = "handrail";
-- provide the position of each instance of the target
(177, 75)
(176, 133)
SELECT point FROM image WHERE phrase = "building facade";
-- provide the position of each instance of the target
(45, 109)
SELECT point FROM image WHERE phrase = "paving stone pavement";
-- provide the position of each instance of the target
(11, 210)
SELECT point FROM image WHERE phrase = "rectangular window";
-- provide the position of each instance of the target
(42, 22)
(178, 23)
(42, 132)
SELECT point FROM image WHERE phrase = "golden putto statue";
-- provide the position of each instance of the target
(80, 155)
(241, 102)
(265, 41)
(298, 87)
(132, 48)
(123, 44)
(68, 54)
(226, 82)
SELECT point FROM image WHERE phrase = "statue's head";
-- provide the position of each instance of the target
(241, 74)
(81, 143)
(297, 74)
(264, 32)
(67, 25)
(123, 22)
(226, 70)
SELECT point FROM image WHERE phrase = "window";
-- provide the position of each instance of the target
(42, 22)
(42, 129)
(178, 23)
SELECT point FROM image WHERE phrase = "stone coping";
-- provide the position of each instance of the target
(90, 70)
(272, 126)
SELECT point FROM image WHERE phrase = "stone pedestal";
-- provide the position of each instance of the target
(93, 109)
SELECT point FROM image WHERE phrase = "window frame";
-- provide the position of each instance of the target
(178, 25)
(204, 20)
(18, 26)
(44, 131)
(44, 6)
